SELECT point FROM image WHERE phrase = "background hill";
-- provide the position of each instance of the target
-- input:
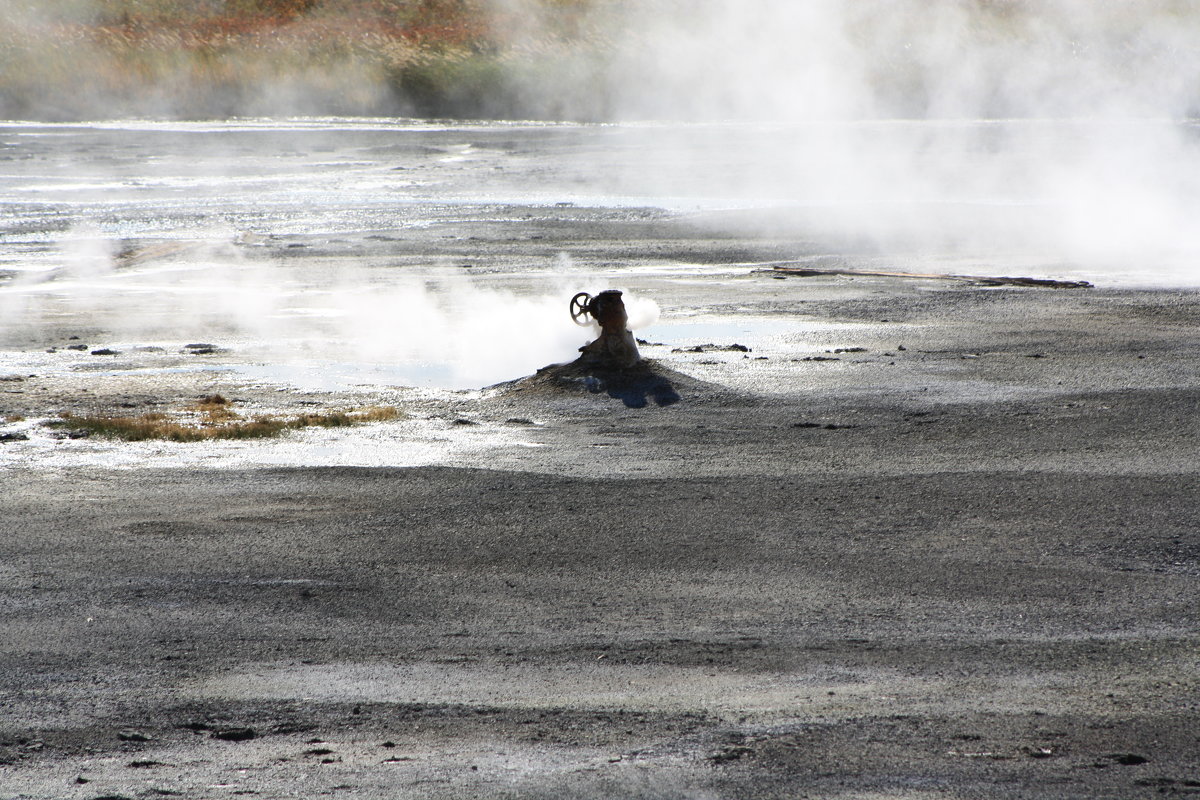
(600, 59)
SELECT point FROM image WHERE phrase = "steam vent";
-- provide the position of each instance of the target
(615, 347)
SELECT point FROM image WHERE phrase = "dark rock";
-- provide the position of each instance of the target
(196, 726)
(130, 735)
(13, 436)
(234, 734)
(104, 351)
(71, 433)
(1127, 759)
(80, 347)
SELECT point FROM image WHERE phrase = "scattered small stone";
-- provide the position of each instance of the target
(519, 421)
(901, 347)
(130, 735)
(81, 780)
(72, 338)
(389, 744)
(234, 734)
(104, 351)
(713, 348)
(11, 378)
(146, 764)
(465, 421)
(731, 754)
(149, 349)
(200, 349)
(828, 426)
(79, 347)
(820, 358)
(1039, 752)
(850, 350)
(14, 436)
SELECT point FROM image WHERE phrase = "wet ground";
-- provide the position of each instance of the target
(841, 537)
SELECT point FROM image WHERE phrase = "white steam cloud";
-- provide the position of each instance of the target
(438, 328)
(912, 59)
(1062, 131)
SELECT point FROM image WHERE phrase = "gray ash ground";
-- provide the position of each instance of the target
(924, 539)
(949, 570)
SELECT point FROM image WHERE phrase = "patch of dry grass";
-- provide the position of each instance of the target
(212, 418)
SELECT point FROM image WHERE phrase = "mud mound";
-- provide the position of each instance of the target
(638, 386)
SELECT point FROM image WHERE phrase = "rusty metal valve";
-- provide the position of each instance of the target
(616, 346)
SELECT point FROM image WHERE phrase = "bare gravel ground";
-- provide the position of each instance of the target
(957, 559)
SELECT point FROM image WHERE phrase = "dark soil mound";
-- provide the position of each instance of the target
(637, 386)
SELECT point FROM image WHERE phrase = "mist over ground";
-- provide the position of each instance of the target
(1061, 131)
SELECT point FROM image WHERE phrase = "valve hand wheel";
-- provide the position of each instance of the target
(580, 308)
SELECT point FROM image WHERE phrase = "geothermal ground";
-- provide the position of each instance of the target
(930, 540)
(912, 538)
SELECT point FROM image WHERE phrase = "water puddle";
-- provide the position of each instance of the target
(754, 332)
(724, 331)
(338, 376)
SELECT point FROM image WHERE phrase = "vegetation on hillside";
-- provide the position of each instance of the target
(225, 57)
